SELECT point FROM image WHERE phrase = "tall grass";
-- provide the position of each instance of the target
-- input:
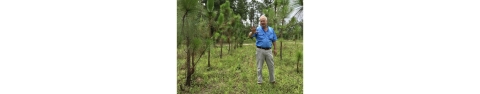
(236, 72)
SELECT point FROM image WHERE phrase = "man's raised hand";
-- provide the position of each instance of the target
(253, 29)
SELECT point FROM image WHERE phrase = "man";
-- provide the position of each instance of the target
(265, 37)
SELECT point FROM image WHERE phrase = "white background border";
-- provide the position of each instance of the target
(351, 47)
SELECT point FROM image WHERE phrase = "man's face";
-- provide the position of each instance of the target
(263, 22)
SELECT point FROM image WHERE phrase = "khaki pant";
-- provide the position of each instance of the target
(265, 55)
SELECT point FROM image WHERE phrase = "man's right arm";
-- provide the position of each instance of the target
(253, 31)
(250, 34)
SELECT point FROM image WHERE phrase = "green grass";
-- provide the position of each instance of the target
(236, 72)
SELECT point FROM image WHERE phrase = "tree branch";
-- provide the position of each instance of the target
(203, 52)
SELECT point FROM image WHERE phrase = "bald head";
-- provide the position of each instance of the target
(263, 21)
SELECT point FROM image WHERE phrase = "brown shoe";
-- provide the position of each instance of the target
(273, 82)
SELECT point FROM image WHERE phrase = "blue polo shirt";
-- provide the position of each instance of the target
(265, 39)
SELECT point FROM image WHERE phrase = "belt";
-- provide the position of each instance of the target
(263, 48)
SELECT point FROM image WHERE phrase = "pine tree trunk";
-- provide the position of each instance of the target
(187, 82)
(281, 43)
(192, 61)
(229, 42)
(281, 46)
(221, 47)
(290, 53)
(189, 76)
(209, 56)
(235, 44)
(295, 40)
(297, 65)
(213, 42)
(191, 70)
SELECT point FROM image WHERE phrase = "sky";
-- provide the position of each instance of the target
(286, 19)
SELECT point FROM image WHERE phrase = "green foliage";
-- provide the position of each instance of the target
(230, 12)
(280, 40)
(293, 21)
(202, 28)
(225, 8)
(196, 43)
(270, 13)
(236, 20)
(208, 43)
(223, 38)
(277, 2)
(241, 8)
(268, 3)
(237, 17)
(220, 18)
(299, 2)
(254, 6)
(298, 29)
(179, 41)
(216, 35)
(299, 55)
(210, 5)
(188, 5)
(285, 10)
(213, 14)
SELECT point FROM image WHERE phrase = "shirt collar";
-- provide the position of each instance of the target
(264, 29)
